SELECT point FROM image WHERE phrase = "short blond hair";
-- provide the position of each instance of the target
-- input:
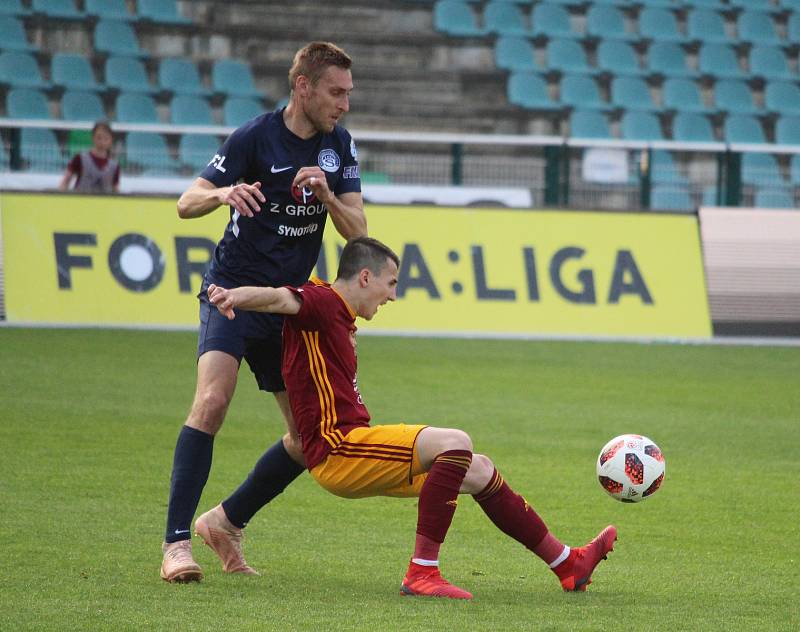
(313, 59)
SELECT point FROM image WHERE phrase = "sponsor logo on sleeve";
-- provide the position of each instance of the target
(353, 150)
(329, 161)
(351, 173)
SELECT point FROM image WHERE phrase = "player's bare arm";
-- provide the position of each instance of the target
(346, 210)
(257, 299)
(203, 196)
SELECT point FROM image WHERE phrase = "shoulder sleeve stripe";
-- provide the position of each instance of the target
(327, 400)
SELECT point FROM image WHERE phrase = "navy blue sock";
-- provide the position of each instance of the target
(190, 469)
(273, 472)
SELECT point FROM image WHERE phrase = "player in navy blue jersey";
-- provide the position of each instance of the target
(281, 174)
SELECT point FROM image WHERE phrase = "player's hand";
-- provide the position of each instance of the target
(222, 299)
(245, 198)
(314, 178)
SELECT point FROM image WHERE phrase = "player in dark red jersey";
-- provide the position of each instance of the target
(281, 174)
(350, 458)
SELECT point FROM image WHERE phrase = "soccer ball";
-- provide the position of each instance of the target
(630, 468)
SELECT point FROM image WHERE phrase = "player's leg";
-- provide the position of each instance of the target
(511, 513)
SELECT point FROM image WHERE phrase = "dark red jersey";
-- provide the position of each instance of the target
(319, 369)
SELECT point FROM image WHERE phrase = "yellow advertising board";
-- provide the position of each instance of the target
(131, 261)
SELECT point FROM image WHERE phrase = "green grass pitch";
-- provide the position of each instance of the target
(90, 418)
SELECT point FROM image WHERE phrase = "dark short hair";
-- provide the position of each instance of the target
(364, 252)
(314, 58)
(104, 125)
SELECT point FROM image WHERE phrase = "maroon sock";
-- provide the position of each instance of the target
(437, 501)
(513, 516)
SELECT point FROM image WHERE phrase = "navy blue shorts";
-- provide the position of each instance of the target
(254, 336)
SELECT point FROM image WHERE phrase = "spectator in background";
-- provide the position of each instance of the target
(94, 169)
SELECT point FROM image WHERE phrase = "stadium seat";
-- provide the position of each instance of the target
(238, 110)
(551, 21)
(760, 170)
(13, 7)
(712, 197)
(777, 197)
(781, 97)
(588, 124)
(670, 197)
(149, 152)
(61, 9)
(114, 37)
(659, 24)
(793, 26)
(734, 96)
(26, 103)
(514, 54)
(74, 72)
(161, 11)
(632, 93)
(196, 150)
(707, 27)
(606, 22)
(82, 106)
(13, 35)
(136, 108)
(504, 18)
(758, 5)
(668, 59)
(456, 18)
(40, 151)
(109, 10)
(21, 70)
(641, 126)
(757, 27)
(794, 170)
(716, 5)
(769, 62)
(581, 91)
(740, 128)
(190, 110)
(528, 90)
(4, 158)
(787, 130)
(180, 76)
(567, 56)
(692, 127)
(663, 169)
(233, 78)
(127, 75)
(683, 95)
(617, 58)
(719, 61)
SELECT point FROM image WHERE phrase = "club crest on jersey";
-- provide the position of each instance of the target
(303, 196)
(329, 161)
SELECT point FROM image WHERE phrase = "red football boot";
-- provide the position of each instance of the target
(427, 582)
(576, 571)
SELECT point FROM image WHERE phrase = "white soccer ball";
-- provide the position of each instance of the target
(630, 468)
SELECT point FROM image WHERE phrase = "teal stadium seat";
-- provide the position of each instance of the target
(758, 27)
(40, 151)
(528, 90)
(515, 54)
(787, 130)
(504, 18)
(114, 37)
(794, 170)
(136, 108)
(567, 56)
(551, 21)
(692, 127)
(239, 110)
(179, 75)
(683, 95)
(617, 58)
(581, 91)
(5, 163)
(61, 9)
(782, 97)
(21, 70)
(456, 18)
(196, 150)
(632, 93)
(77, 105)
(769, 62)
(109, 10)
(734, 96)
(13, 35)
(606, 22)
(664, 170)
(27, 103)
(161, 11)
(190, 110)
(662, 4)
(234, 78)
(74, 72)
(777, 197)
(588, 124)
(759, 5)
(148, 151)
(719, 61)
(716, 5)
(668, 59)
(659, 24)
(127, 74)
(14, 7)
(793, 26)
(761, 170)
(641, 126)
(707, 27)
(740, 128)
(671, 197)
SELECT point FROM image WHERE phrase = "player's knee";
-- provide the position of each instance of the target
(456, 440)
(208, 411)
(482, 465)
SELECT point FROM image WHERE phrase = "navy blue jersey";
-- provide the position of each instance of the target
(280, 245)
